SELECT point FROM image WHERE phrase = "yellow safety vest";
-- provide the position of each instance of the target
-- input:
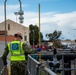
(16, 50)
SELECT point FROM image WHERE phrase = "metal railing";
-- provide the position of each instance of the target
(35, 68)
(67, 63)
(3, 69)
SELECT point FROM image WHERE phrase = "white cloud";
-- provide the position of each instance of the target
(50, 21)
(65, 22)
(65, 18)
(10, 9)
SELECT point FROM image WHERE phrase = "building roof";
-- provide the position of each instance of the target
(13, 21)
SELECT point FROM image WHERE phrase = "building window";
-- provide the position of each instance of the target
(8, 26)
(25, 38)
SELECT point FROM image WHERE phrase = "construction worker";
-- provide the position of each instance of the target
(18, 51)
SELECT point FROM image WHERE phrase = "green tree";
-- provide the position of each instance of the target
(54, 37)
(34, 34)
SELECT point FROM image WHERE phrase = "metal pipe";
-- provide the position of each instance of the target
(5, 22)
(39, 27)
(39, 35)
(49, 71)
(20, 5)
(5, 19)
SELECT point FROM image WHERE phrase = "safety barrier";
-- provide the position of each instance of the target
(35, 68)
(3, 69)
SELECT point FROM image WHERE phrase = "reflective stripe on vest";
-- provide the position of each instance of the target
(16, 50)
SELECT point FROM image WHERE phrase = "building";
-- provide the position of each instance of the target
(11, 28)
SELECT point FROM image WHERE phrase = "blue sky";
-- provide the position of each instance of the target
(55, 15)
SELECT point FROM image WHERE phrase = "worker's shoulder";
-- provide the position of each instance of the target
(27, 44)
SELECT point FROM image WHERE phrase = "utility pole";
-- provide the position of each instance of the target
(39, 27)
(39, 34)
(5, 22)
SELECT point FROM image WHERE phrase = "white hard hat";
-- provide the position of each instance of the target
(18, 34)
